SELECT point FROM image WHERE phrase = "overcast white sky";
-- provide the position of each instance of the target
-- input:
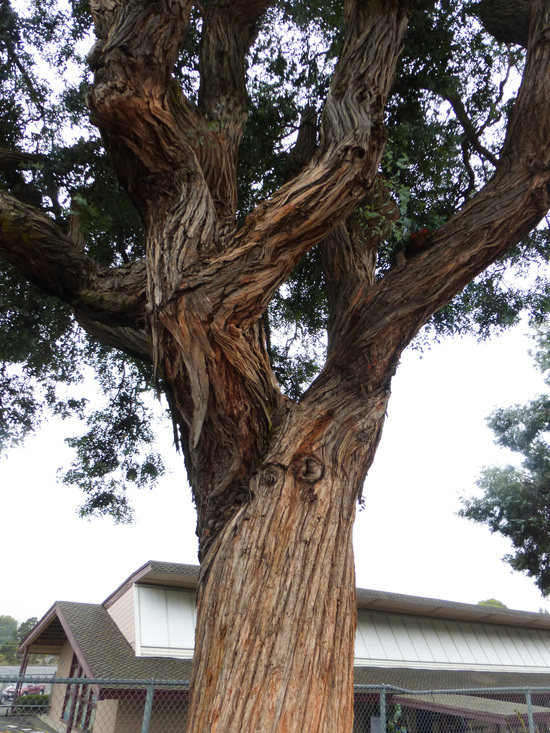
(408, 539)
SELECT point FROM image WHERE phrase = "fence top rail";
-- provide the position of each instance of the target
(148, 682)
(448, 690)
(134, 682)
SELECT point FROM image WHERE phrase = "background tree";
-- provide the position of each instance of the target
(492, 602)
(9, 643)
(8, 628)
(264, 173)
(515, 501)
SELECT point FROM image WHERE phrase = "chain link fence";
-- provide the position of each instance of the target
(55, 705)
(477, 710)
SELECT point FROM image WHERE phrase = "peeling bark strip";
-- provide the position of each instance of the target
(275, 483)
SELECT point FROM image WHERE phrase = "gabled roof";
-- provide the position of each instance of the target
(104, 652)
(98, 643)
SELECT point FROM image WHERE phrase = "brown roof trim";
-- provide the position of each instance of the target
(160, 573)
(186, 576)
(86, 671)
(57, 612)
(373, 600)
(38, 628)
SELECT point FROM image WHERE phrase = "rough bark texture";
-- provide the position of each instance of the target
(275, 482)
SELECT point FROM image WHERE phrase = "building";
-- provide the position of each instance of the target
(145, 630)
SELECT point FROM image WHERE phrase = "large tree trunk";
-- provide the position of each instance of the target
(276, 604)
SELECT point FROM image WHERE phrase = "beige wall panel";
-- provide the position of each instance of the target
(106, 717)
(58, 691)
(122, 613)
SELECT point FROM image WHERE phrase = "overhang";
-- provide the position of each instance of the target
(474, 708)
(154, 572)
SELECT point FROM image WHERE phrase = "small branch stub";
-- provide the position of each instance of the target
(308, 469)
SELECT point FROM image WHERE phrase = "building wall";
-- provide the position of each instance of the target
(167, 717)
(58, 692)
(394, 640)
(106, 717)
(122, 613)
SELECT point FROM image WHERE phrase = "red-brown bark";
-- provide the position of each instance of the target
(275, 482)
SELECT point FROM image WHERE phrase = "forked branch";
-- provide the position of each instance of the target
(328, 189)
(497, 218)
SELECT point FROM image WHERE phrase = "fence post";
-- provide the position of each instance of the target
(148, 709)
(383, 710)
(529, 711)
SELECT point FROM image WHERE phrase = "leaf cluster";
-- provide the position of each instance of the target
(515, 501)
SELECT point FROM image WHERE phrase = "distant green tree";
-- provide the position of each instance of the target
(25, 627)
(8, 625)
(492, 602)
(516, 501)
(9, 649)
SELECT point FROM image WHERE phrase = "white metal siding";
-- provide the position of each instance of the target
(165, 627)
(392, 640)
(165, 622)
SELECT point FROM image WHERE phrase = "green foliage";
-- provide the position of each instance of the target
(116, 451)
(450, 71)
(395, 722)
(8, 627)
(9, 644)
(26, 627)
(492, 602)
(515, 501)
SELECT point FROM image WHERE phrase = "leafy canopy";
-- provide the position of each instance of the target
(451, 96)
(515, 501)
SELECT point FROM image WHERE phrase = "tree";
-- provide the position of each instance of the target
(515, 500)
(234, 243)
(9, 646)
(8, 629)
(26, 627)
(8, 626)
(492, 602)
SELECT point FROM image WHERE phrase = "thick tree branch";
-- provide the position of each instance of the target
(507, 21)
(305, 146)
(19, 159)
(497, 218)
(350, 258)
(112, 299)
(131, 340)
(327, 190)
(228, 31)
(149, 128)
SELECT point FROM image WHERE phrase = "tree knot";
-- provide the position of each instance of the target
(271, 474)
(308, 468)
